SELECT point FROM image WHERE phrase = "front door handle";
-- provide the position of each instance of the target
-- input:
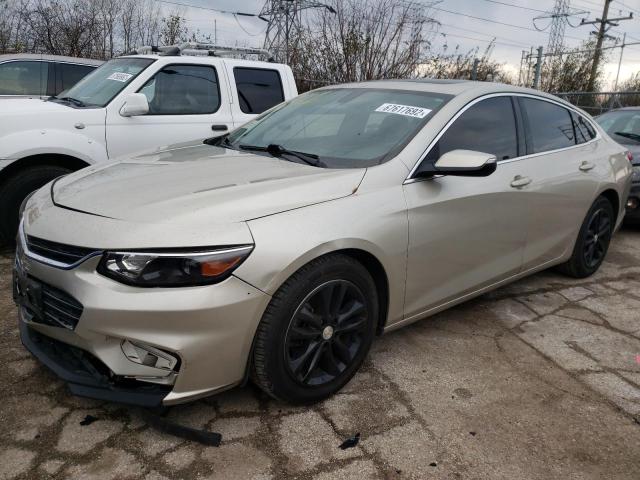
(219, 128)
(520, 181)
(586, 166)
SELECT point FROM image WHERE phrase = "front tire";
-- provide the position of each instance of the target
(593, 241)
(316, 331)
(15, 189)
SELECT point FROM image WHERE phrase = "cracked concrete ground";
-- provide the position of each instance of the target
(537, 380)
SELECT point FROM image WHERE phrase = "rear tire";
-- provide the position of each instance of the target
(15, 189)
(316, 331)
(593, 241)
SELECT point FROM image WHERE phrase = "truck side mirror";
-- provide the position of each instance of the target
(135, 104)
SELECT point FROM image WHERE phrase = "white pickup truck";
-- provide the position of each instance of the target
(130, 104)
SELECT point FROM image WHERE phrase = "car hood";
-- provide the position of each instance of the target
(26, 106)
(200, 184)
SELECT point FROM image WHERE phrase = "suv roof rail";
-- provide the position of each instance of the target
(201, 49)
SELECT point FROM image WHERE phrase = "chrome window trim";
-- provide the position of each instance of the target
(411, 179)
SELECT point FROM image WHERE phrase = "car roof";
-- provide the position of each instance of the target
(186, 58)
(50, 58)
(451, 87)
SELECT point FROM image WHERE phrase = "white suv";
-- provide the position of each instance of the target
(130, 104)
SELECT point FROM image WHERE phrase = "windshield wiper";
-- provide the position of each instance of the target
(219, 141)
(279, 150)
(632, 136)
(75, 101)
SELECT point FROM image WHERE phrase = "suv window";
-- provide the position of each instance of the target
(258, 89)
(183, 90)
(23, 78)
(488, 126)
(68, 74)
(584, 129)
(550, 125)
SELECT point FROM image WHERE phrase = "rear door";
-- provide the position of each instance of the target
(255, 89)
(466, 233)
(188, 102)
(561, 166)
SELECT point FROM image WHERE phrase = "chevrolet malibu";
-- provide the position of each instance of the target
(278, 252)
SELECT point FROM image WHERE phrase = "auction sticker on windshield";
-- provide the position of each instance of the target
(407, 110)
(120, 76)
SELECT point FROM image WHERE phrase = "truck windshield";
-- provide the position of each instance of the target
(100, 87)
(340, 127)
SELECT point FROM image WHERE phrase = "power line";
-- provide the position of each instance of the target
(512, 41)
(493, 41)
(515, 6)
(188, 5)
(627, 6)
(521, 27)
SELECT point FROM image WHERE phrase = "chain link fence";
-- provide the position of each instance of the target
(597, 103)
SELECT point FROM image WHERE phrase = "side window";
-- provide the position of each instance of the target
(258, 89)
(68, 74)
(23, 78)
(550, 125)
(584, 130)
(183, 90)
(488, 126)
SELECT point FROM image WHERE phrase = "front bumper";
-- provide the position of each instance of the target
(210, 330)
(633, 204)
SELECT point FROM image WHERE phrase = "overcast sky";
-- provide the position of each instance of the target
(510, 41)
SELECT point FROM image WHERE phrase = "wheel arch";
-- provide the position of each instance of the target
(54, 159)
(613, 197)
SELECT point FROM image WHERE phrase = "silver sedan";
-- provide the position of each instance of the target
(278, 252)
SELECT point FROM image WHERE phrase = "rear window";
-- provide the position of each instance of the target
(258, 89)
(584, 130)
(550, 125)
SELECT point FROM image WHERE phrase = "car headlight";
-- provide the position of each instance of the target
(635, 176)
(180, 269)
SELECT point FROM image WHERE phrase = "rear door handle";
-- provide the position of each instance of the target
(520, 181)
(586, 166)
(219, 128)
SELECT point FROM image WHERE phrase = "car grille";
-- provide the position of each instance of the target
(58, 252)
(56, 308)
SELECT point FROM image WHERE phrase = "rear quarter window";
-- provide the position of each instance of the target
(259, 89)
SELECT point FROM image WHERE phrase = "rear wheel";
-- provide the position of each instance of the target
(316, 331)
(593, 240)
(15, 189)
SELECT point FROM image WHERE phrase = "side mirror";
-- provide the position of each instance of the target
(135, 104)
(462, 163)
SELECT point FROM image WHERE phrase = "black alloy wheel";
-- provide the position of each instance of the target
(326, 332)
(593, 240)
(316, 331)
(598, 236)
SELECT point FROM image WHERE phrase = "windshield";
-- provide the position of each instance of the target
(340, 128)
(623, 125)
(99, 87)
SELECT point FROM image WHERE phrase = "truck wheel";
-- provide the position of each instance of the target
(15, 189)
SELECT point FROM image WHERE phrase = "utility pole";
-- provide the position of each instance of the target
(624, 40)
(474, 71)
(605, 23)
(536, 79)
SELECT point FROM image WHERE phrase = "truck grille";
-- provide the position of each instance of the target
(58, 252)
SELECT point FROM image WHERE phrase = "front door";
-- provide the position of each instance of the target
(187, 103)
(466, 233)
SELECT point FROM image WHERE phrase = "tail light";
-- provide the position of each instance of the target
(629, 157)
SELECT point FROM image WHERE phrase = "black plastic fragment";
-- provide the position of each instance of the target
(88, 420)
(433, 464)
(350, 442)
(167, 426)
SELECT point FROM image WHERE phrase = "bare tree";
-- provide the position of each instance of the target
(363, 40)
(570, 72)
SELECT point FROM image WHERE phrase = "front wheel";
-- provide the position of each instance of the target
(316, 331)
(593, 240)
